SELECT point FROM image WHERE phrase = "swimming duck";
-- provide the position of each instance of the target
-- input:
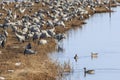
(76, 57)
(94, 55)
(88, 71)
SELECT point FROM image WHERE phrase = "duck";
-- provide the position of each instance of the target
(88, 71)
(76, 57)
(94, 55)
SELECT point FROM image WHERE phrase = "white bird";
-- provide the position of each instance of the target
(42, 41)
(25, 30)
(10, 70)
(29, 51)
(14, 16)
(51, 32)
(5, 33)
(60, 23)
(22, 10)
(2, 78)
(36, 20)
(45, 32)
(18, 64)
(20, 38)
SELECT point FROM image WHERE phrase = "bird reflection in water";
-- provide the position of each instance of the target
(60, 49)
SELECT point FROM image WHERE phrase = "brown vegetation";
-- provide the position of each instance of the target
(118, 1)
(32, 67)
(37, 66)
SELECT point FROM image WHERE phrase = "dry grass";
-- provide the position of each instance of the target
(67, 67)
(33, 67)
(38, 63)
(118, 1)
(37, 66)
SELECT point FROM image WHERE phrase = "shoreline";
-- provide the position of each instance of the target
(35, 66)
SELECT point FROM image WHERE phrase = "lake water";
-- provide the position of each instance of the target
(101, 34)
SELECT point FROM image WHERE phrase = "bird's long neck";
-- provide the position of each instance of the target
(84, 72)
(84, 69)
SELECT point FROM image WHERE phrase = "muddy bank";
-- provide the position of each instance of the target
(15, 65)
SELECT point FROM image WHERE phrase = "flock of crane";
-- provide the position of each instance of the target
(31, 26)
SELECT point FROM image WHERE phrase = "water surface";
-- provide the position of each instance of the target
(101, 34)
